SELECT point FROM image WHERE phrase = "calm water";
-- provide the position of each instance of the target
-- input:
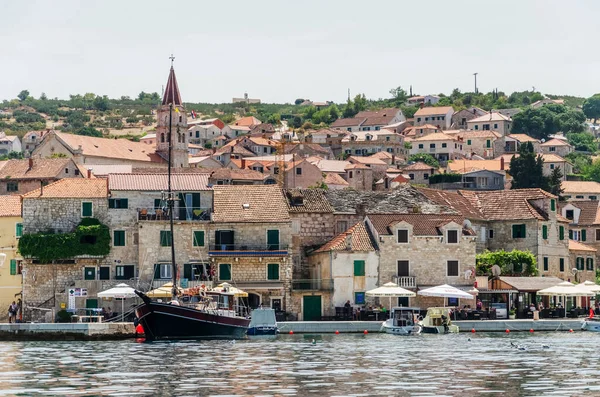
(340, 365)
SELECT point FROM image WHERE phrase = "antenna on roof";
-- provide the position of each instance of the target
(475, 74)
(348, 93)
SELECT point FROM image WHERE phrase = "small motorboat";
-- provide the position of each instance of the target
(591, 324)
(437, 321)
(263, 322)
(402, 321)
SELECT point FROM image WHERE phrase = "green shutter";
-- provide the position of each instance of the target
(187, 271)
(89, 273)
(544, 232)
(157, 203)
(165, 238)
(119, 238)
(199, 238)
(124, 203)
(583, 235)
(19, 230)
(561, 232)
(359, 268)
(13, 267)
(589, 262)
(515, 231)
(272, 239)
(273, 271)
(545, 264)
(562, 264)
(523, 231)
(157, 271)
(488, 143)
(570, 234)
(224, 271)
(552, 205)
(468, 142)
(111, 203)
(104, 273)
(86, 209)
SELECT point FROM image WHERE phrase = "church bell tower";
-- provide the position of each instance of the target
(172, 112)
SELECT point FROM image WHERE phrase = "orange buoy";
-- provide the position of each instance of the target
(570, 330)
(472, 330)
(365, 332)
(291, 332)
(531, 330)
(507, 331)
(337, 332)
(139, 329)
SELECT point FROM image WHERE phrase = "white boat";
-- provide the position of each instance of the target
(437, 321)
(402, 321)
(591, 324)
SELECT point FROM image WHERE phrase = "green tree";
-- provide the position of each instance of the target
(43, 97)
(527, 169)
(583, 141)
(425, 158)
(348, 110)
(521, 263)
(298, 101)
(360, 103)
(547, 120)
(592, 171)
(101, 103)
(295, 122)
(274, 119)
(580, 162)
(555, 182)
(58, 156)
(399, 95)
(89, 131)
(591, 107)
(24, 94)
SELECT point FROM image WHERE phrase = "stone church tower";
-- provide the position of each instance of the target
(179, 128)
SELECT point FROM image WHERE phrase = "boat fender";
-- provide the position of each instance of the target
(136, 321)
(420, 318)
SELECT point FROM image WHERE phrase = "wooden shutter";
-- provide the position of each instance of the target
(570, 234)
(552, 205)
(583, 234)
(273, 271)
(13, 267)
(561, 232)
(359, 268)
(157, 271)
(224, 271)
(198, 238)
(544, 232)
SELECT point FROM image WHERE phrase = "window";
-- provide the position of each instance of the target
(579, 263)
(359, 298)
(491, 233)
(432, 145)
(545, 232)
(551, 166)
(341, 227)
(273, 271)
(350, 175)
(468, 142)
(118, 203)
(452, 236)
(18, 230)
(411, 176)
(593, 197)
(402, 236)
(518, 231)
(444, 145)
(597, 234)
(104, 273)
(273, 240)
(198, 238)
(89, 273)
(553, 148)
(298, 171)
(418, 119)
(163, 271)
(425, 176)
(495, 126)
(486, 127)
(124, 272)
(545, 263)
(578, 197)
(589, 263)
(359, 268)
(12, 186)
(276, 170)
(552, 205)
(87, 209)
(562, 264)
(118, 238)
(569, 214)
(165, 238)
(420, 146)
(476, 127)
(488, 143)
(561, 233)
(66, 170)
(452, 268)
(224, 271)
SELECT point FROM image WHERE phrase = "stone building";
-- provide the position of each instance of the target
(419, 172)
(479, 143)
(423, 250)
(250, 243)
(341, 270)
(491, 121)
(460, 118)
(11, 229)
(580, 190)
(440, 116)
(582, 262)
(556, 146)
(23, 176)
(359, 177)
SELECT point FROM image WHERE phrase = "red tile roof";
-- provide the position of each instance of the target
(109, 148)
(250, 204)
(577, 246)
(418, 166)
(589, 214)
(10, 206)
(72, 188)
(158, 182)
(359, 240)
(41, 168)
(430, 111)
(423, 224)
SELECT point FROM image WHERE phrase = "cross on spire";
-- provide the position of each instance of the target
(172, 58)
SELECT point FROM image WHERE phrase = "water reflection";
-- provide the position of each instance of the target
(356, 365)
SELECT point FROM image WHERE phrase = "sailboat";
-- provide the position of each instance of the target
(208, 314)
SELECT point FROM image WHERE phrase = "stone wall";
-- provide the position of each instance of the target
(60, 214)
(309, 230)
(296, 307)
(582, 275)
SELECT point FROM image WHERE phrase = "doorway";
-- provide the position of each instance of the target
(311, 309)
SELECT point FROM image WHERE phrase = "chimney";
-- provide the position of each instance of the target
(243, 164)
(89, 173)
(41, 188)
(214, 150)
(30, 164)
(421, 105)
(348, 242)
(232, 149)
(393, 159)
(502, 163)
(360, 209)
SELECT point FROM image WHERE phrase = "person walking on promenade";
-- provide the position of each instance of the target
(12, 312)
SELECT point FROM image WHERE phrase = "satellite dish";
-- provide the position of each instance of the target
(466, 224)
(496, 270)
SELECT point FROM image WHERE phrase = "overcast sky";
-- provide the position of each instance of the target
(282, 50)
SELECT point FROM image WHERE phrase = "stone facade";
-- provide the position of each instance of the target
(586, 271)
(309, 230)
(59, 214)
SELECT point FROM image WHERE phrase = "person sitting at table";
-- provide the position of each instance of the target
(347, 308)
(357, 314)
(382, 308)
(479, 304)
(104, 314)
(541, 306)
(532, 307)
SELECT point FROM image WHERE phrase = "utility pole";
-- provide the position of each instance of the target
(475, 74)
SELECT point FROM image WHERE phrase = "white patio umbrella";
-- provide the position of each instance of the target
(445, 291)
(590, 286)
(565, 289)
(390, 290)
(120, 291)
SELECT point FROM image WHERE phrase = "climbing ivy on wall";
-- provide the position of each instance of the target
(90, 237)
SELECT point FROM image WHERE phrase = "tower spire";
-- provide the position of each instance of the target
(171, 94)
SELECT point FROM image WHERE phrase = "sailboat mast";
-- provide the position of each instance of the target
(171, 203)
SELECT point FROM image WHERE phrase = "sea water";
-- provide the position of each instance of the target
(517, 364)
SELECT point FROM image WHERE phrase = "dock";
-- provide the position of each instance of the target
(66, 331)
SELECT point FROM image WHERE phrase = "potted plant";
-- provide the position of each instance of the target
(512, 314)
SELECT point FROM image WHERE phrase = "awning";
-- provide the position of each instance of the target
(498, 291)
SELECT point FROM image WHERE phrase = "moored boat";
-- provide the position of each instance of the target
(403, 321)
(437, 321)
(591, 324)
(263, 322)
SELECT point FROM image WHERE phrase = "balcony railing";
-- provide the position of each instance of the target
(156, 283)
(405, 281)
(313, 285)
(245, 249)
(179, 214)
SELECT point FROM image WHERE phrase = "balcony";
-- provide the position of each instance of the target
(405, 281)
(313, 285)
(157, 283)
(188, 214)
(248, 250)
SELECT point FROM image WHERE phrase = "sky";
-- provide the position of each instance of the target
(279, 50)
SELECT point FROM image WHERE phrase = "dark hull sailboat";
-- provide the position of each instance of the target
(167, 321)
